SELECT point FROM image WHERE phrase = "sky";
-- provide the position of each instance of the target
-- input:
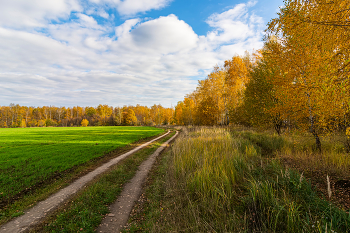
(120, 52)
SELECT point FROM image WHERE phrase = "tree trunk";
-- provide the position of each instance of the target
(318, 142)
(312, 123)
(278, 126)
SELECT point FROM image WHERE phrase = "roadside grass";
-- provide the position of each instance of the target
(214, 181)
(86, 210)
(297, 151)
(300, 148)
(36, 162)
(334, 158)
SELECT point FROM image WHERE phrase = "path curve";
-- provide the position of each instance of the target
(37, 213)
(121, 208)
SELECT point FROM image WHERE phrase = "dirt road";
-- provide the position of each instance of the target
(120, 210)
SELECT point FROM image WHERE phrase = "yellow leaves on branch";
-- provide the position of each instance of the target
(310, 46)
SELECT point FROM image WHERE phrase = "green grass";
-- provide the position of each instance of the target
(90, 206)
(30, 157)
(214, 181)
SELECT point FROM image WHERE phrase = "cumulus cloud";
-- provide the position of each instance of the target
(164, 35)
(35, 13)
(125, 28)
(142, 61)
(235, 25)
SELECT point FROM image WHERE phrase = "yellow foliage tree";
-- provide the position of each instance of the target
(23, 124)
(312, 82)
(129, 117)
(179, 113)
(84, 122)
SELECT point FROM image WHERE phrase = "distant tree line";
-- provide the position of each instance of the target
(14, 115)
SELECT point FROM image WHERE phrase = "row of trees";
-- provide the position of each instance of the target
(102, 115)
(215, 99)
(300, 78)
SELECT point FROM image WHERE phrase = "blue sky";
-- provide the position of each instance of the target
(120, 52)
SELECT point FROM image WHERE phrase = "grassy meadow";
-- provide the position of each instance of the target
(224, 180)
(31, 157)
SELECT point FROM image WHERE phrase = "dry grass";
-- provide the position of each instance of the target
(333, 159)
(219, 181)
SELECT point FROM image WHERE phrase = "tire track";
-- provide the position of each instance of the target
(121, 208)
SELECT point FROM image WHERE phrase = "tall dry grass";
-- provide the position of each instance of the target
(212, 163)
(222, 181)
(333, 159)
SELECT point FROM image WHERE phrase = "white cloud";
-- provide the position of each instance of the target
(235, 25)
(34, 13)
(98, 11)
(87, 21)
(164, 35)
(103, 14)
(143, 61)
(125, 28)
(132, 7)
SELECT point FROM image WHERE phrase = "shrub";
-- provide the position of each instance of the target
(84, 123)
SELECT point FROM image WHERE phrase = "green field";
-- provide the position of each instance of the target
(31, 156)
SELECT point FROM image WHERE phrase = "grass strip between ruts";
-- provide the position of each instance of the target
(86, 211)
(148, 211)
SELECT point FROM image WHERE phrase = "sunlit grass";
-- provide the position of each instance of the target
(333, 157)
(233, 182)
(212, 162)
(30, 156)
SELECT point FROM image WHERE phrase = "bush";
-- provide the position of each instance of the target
(84, 123)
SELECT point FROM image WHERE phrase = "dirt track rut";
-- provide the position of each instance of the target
(120, 210)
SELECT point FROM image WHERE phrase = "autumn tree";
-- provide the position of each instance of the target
(84, 122)
(260, 100)
(314, 64)
(90, 111)
(104, 111)
(217, 97)
(208, 97)
(208, 111)
(236, 79)
(129, 117)
(18, 116)
(178, 115)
